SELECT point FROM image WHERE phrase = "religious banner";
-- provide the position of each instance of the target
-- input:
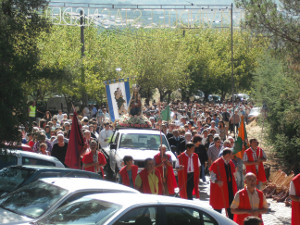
(118, 97)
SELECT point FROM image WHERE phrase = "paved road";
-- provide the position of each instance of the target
(278, 214)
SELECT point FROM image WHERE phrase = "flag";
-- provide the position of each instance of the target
(240, 144)
(165, 114)
(118, 98)
(75, 145)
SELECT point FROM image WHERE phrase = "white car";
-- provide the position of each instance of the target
(131, 209)
(138, 143)
(254, 113)
(37, 199)
(17, 157)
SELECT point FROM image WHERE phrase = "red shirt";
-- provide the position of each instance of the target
(296, 205)
(245, 204)
(124, 174)
(182, 175)
(219, 196)
(88, 158)
(171, 180)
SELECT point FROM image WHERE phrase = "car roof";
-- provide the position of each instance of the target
(32, 155)
(139, 131)
(51, 168)
(126, 200)
(74, 184)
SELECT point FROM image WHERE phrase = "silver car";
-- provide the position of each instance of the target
(142, 209)
(38, 199)
(10, 157)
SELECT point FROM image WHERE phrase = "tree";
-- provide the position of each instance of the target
(280, 22)
(20, 24)
(275, 87)
(277, 76)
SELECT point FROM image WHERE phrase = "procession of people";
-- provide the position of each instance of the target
(201, 135)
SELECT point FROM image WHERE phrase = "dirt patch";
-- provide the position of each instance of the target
(255, 130)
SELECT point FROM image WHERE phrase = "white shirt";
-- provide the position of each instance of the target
(292, 190)
(190, 168)
(105, 134)
(60, 117)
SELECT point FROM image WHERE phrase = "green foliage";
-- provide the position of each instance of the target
(277, 83)
(19, 26)
(276, 87)
(210, 62)
(280, 22)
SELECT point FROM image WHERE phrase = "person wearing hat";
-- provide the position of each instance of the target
(213, 126)
(67, 129)
(223, 185)
(84, 121)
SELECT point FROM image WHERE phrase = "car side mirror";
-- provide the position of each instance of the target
(113, 146)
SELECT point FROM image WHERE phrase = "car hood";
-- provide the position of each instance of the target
(9, 218)
(140, 155)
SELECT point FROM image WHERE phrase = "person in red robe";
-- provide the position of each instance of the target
(223, 185)
(149, 179)
(129, 172)
(94, 160)
(189, 172)
(253, 160)
(295, 196)
(249, 201)
(163, 162)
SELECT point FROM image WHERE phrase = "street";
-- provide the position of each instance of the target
(278, 213)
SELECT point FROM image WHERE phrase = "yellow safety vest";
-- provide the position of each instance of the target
(32, 111)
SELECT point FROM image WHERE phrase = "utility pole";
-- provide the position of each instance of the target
(231, 39)
(83, 91)
(232, 79)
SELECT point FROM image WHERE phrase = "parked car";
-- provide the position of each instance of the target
(10, 157)
(214, 98)
(254, 113)
(138, 143)
(241, 97)
(199, 96)
(121, 209)
(14, 177)
(39, 198)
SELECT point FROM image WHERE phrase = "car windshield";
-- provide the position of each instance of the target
(33, 200)
(142, 141)
(82, 211)
(12, 177)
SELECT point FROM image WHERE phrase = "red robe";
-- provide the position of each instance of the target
(145, 188)
(245, 204)
(219, 196)
(296, 205)
(124, 174)
(171, 180)
(260, 174)
(182, 175)
(88, 158)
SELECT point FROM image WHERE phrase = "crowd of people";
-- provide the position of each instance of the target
(202, 136)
